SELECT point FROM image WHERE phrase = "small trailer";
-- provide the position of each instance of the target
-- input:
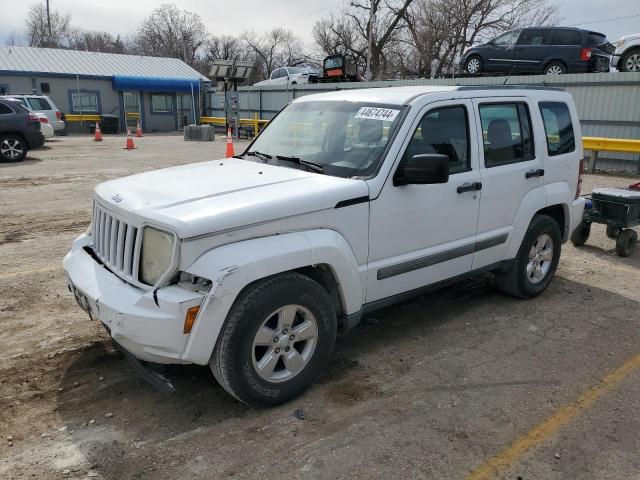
(619, 210)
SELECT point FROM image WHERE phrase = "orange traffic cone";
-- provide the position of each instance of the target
(229, 144)
(98, 135)
(129, 143)
(139, 130)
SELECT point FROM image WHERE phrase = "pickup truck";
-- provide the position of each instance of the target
(347, 202)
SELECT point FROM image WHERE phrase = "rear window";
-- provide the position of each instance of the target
(567, 37)
(39, 103)
(558, 128)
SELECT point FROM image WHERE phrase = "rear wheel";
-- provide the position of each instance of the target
(631, 61)
(473, 65)
(626, 243)
(278, 338)
(555, 68)
(612, 232)
(13, 148)
(536, 262)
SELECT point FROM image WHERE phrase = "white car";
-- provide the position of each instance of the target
(42, 104)
(253, 264)
(45, 126)
(626, 58)
(286, 76)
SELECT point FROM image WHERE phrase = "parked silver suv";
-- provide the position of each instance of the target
(42, 104)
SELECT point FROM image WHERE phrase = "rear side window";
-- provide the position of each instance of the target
(557, 128)
(4, 109)
(567, 37)
(535, 37)
(39, 103)
(507, 133)
(445, 131)
(594, 40)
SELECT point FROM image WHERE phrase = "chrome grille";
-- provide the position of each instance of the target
(115, 242)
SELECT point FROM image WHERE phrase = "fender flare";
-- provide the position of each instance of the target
(534, 200)
(234, 266)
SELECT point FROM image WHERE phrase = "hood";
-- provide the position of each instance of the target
(209, 197)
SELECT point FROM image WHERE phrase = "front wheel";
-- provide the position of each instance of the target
(278, 338)
(631, 61)
(12, 148)
(536, 262)
(626, 242)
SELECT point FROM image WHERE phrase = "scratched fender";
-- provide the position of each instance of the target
(232, 267)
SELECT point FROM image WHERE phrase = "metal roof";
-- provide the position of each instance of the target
(32, 60)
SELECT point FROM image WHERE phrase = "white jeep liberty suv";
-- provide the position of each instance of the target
(347, 202)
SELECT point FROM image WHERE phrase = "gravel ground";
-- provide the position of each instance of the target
(431, 388)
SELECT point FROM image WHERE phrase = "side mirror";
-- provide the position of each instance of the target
(423, 169)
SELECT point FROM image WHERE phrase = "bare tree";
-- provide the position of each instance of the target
(38, 29)
(171, 32)
(96, 42)
(276, 48)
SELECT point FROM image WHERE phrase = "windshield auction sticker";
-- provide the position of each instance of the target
(375, 113)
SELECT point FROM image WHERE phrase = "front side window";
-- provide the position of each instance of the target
(84, 102)
(507, 133)
(444, 131)
(557, 128)
(346, 138)
(162, 104)
(509, 38)
(39, 103)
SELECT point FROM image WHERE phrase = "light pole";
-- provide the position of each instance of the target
(49, 43)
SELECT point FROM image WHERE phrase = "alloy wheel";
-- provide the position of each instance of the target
(540, 258)
(284, 343)
(11, 148)
(632, 64)
(554, 70)
(473, 65)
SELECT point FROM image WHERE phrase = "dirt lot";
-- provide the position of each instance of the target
(463, 383)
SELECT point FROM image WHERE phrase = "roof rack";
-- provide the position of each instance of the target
(509, 87)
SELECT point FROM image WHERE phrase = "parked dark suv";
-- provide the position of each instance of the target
(19, 130)
(549, 50)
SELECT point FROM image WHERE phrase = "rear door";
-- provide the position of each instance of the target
(567, 44)
(531, 50)
(510, 168)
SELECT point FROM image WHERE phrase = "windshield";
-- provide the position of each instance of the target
(296, 70)
(346, 138)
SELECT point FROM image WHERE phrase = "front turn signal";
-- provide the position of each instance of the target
(190, 319)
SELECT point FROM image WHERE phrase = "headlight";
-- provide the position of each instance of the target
(156, 254)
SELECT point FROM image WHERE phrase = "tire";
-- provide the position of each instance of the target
(630, 61)
(473, 65)
(555, 68)
(626, 242)
(581, 234)
(13, 148)
(529, 276)
(241, 348)
(613, 232)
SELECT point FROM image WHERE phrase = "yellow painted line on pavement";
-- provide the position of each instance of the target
(551, 425)
(30, 271)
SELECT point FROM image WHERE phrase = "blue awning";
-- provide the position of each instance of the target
(155, 84)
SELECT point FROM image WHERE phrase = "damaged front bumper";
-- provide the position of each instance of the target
(149, 327)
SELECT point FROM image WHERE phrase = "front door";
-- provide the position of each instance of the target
(421, 234)
(185, 110)
(510, 169)
(132, 109)
(499, 52)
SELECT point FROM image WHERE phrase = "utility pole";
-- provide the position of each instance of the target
(50, 42)
(372, 21)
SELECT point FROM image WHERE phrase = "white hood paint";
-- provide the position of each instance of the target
(210, 197)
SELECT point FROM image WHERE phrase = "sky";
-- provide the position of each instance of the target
(235, 17)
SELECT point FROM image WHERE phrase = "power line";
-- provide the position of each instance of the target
(312, 14)
(606, 20)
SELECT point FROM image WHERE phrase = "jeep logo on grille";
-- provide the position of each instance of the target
(116, 198)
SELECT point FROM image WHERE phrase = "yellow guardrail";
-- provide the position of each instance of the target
(132, 114)
(254, 122)
(82, 118)
(600, 144)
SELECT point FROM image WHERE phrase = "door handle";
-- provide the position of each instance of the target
(470, 187)
(534, 173)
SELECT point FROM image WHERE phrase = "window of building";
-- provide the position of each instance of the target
(4, 89)
(445, 131)
(162, 104)
(38, 103)
(85, 102)
(557, 128)
(131, 101)
(507, 132)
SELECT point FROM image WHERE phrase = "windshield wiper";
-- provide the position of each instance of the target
(316, 167)
(262, 156)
